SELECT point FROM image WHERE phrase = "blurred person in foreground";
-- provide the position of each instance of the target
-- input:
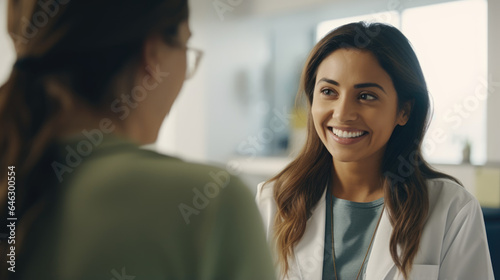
(94, 80)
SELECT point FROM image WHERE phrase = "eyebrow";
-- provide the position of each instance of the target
(362, 85)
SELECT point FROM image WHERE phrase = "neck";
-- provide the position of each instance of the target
(79, 118)
(357, 181)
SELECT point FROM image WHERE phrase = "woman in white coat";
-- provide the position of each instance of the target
(360, 201)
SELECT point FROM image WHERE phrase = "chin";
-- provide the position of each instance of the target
(345, 156)
(345, 159)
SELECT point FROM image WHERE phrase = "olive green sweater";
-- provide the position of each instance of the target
(128, 213)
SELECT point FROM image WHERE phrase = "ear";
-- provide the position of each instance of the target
(404, 113)
(152, 50)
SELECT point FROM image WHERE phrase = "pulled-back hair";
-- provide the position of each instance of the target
(81, 46)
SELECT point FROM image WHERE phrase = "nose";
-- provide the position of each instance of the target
(344, 110)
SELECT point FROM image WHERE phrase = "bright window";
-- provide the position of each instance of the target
(390, 17)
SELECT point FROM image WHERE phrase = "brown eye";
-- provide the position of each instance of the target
(327, 92)
(367, 96)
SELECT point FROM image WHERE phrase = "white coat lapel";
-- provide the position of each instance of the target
(309, 251)
(380, 261)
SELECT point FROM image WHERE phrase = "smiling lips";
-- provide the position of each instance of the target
(347, 137)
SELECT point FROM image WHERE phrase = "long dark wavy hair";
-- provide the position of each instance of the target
(299, 187)
(81, 46)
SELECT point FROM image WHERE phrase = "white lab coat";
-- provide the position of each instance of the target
(453, 244)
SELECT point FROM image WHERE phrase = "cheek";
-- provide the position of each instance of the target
(320, 109)
(177, 68)
(316, 113)
(384, 124)
(174, 78)
(319, 117)
(175, 65)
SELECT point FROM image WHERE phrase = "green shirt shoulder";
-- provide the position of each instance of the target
(130, 211)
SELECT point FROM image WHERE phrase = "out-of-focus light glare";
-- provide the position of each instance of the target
(389, 17)
(450, 40)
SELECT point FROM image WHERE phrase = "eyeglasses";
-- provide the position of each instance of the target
(193, 57)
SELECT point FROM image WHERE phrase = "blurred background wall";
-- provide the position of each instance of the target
(238, 110)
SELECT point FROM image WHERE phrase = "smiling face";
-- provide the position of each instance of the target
(354, 106)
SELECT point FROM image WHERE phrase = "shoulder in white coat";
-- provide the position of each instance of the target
(453, 243)
(454, 236)
(267, 206)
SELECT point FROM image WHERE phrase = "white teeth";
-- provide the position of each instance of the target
(347, 134)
